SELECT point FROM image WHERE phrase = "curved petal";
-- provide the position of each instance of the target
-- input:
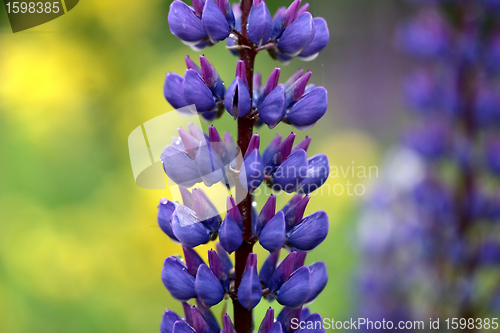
(309, 109)
(319, 278)
(172, 90)
(200, 324)
(266, 214)
(272, 110)
(179, 167)
(318, 170)
(215, 22)
(210, 165)
(180, 326)
(296, 289)
(188, 229)
(168, 321)
(291, 172)
(280, 154)
(297, 36)
(310, 232)
(196, 92)
(218, 269)
(319, 42)
(230, 234)
(282, 272)
(184, 23)
(252, 172)
(268, 268)
(268, 321)
(272, 237)
(177, 279)
(212, 78)
(208, 288)
(260, 25)
(205, 210)
(295, 212)
(165, 211)
(208, 316)
(192, 259)
(250, 289)
(237, 101)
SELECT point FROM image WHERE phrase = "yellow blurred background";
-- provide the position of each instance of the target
(80, 250)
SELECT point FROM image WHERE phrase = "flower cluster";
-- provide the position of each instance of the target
(196, 158)
(432, 229)
(292, 32)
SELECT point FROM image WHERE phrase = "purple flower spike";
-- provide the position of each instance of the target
(291, 172)
(300, 258)
(268, 321)
(234, 211)
(252, 174)
(272, 237)
(318, 170)
(310, 232)
(319, 278)
(309, 109)
(280, 154)
(282, 273)
(205, 210)
(225, 7)
(237, 101)
(192, 259)
(187, 228)
(208, 288)
(168, 321)
(266, 214)
(227, 325)
(215, 22)
(184, 23)
(285, 318)
(269, 267)
(302, 145)
(260, 24)
(297, 36)
(165, 211)
(212, 78)
(172, 90)
(319, 42)
(196, 92)
(295, 213)
(295, 91)
(250, 290)
(199, 323)
(230, 234)
(180, 167)
(177, 279)
(313, 324)
(218, 269)
(181, 327)
(273, 108)
(269, 151)
(296, 289)
(254, 144)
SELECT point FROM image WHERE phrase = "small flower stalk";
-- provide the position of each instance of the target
(196, 158)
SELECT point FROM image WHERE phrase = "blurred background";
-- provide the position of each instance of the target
(80, 249)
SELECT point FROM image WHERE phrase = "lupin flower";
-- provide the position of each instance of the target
(197, 319)
(250, 290)
(252, 171)
(237, 99)
(185, 24)
(290, 169)
(270, 100)
(192, 224)
(201, 87)
(195, 158)
(231, 230)
(259, 23)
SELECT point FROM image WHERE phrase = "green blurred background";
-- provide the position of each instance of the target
(80, 250)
